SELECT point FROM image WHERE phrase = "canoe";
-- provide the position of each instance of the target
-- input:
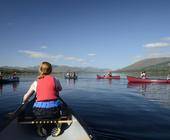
(69, 77)
(25, 125)
(13, 80)
(139, 80)
(108, 77)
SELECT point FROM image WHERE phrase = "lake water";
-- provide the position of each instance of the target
(112, 109)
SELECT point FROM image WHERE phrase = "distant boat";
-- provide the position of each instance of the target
(108, 77)
(10, 80)
(147, 80)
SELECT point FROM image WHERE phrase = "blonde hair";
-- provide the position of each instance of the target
(44, 69)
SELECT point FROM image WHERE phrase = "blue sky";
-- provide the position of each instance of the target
(99, 33)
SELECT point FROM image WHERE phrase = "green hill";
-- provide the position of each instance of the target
(159, 66)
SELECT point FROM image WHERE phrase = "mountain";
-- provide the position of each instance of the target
(56, 69)
(153, 64)
(76, 69)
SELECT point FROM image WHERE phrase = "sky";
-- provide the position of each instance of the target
(98, 33)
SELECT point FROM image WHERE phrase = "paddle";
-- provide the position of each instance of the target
(13, 115)
(62, 101)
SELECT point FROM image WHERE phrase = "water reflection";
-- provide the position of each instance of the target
(142, 87)
(1, 88)
(14, 86)
(154, 92)
(71, 82)
(110, 81)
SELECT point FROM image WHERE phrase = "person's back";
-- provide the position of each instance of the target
(47, 90)
(47, 105)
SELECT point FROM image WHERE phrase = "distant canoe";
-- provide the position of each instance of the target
(108, 77)
(139, 80)
(12, 80)
(70, 77)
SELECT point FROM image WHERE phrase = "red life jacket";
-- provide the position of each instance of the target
(46, 89)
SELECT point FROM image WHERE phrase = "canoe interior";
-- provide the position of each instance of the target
(24, 127)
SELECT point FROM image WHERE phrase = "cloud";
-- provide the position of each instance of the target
(157, 45)
(41, 55)
(91, 54)
(35, 54)
(155, 50)
(71, 58)
(157, 55)
(151, 55)
(44, 47)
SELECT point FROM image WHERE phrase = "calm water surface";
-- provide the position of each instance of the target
(112, 109)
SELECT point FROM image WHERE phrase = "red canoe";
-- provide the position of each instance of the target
(108, 77)
(139, 80)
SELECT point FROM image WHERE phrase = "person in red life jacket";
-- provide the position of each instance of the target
(46, 88)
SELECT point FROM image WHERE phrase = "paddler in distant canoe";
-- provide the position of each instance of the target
(109, 74)
(14, 75)
(168, 77)
(46, 88)
(74, 74)
(1, 76)
(143, 75)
